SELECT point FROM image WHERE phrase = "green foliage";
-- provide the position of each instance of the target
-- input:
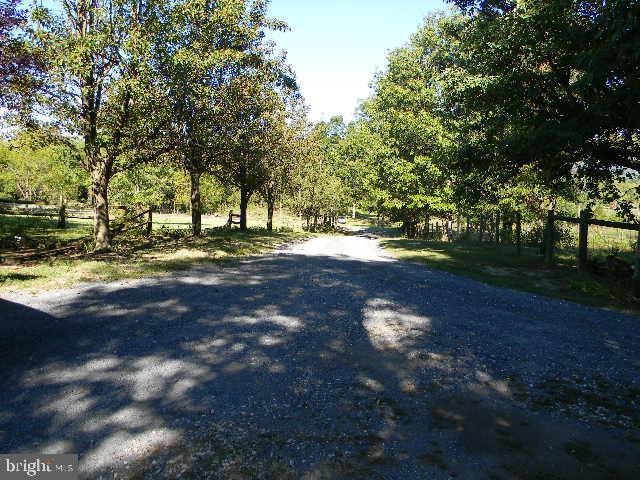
(166, 187)
(547, 86)
(397, 147)
(40, 172)
(319, 192)
(507, 109)
(360, 153)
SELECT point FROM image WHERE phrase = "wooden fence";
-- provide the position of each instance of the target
(51, 211)
(234, 219)
(141, 220)
(492, 227)
(584, 221)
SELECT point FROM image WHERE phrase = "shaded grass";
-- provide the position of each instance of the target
(41, 231)
(139, 257)
(502, 266)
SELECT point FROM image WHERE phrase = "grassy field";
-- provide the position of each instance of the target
(257, 218)
(170, 248)
(35, 231)
(137, 257)
(502, 266)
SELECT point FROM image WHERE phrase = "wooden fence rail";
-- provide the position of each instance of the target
(141, 220)
(232, 219)
(600, 223)
(584, 221)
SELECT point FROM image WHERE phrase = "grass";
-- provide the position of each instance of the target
(169, 249)
(137, 257)
(256, 217)
(501, 266)
(19, 232)
(35, 232)
(40, 231)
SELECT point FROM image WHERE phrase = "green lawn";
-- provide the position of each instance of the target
(41, 231)
(170, 248)
(256, 218)
(137, 257)
(503, 267)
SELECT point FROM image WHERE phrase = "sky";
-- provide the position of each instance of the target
(336, 46)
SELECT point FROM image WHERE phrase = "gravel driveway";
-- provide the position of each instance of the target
(326, 360)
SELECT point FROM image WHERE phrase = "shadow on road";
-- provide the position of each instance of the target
(292, 365)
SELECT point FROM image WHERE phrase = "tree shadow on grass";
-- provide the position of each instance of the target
(502, 266)
(15, 276)
(294, 365)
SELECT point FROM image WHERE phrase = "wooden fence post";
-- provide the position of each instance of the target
(150, 222)
(549, 237)
(583, 239)
(497, 228)
(519, 232)
(636, 270)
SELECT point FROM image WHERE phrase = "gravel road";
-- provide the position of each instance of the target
(327, 359)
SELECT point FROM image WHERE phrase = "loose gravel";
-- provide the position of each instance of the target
(328, 359)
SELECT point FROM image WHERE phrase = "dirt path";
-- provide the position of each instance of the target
(326, 360)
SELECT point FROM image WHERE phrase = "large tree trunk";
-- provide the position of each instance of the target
(196, 204)
(271, 203)
(245, 196)
(100, 188)
(62, 213)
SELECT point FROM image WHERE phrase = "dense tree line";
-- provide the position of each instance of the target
(144, 94)
(506, 107)
(500, 109)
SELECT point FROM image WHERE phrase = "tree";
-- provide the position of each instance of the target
(201, 50)
(20, 63)
(255, 103)
(37, 167)
(165, 185)
(362, 152)
(251, 105)
(282, 159)
(100, 88)
(318, 190)
(410, 171)
(549, 86)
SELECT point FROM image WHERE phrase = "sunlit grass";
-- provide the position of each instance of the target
(138, 257)
(502, 266)
(40, 230)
